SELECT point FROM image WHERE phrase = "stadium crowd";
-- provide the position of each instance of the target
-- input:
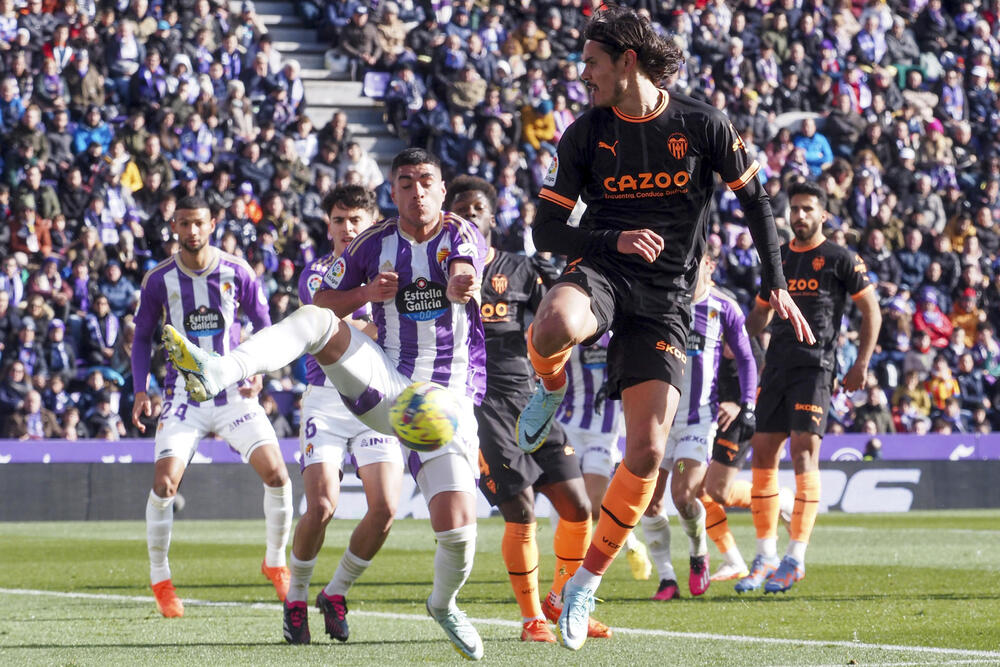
(111, 111)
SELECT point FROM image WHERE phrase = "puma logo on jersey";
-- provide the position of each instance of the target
(610, 147)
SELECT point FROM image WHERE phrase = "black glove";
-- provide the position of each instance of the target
(599, 398)
(743, 426)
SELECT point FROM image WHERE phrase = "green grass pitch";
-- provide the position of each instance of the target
(921, 588)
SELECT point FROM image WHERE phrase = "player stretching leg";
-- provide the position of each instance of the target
(716, 321)
(329, 433)
(420, 272)
(798, 379)
(199, 290)
(633, 262)
(510, 478)
(593, 423)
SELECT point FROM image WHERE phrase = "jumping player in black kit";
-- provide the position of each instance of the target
(509, 477)
(644, 161)
(797, 381)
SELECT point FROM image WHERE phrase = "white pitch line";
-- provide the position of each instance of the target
(643, 632)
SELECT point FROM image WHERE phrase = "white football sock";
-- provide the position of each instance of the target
(767, 547)
(797, 550)
(348, 571)
(305, 331)
(657, 530)
(586, 578)
(277, 522)
(631, 542)
(456, 549)
(159, 524)
(302, 572)
(735, 558)
(694, 528)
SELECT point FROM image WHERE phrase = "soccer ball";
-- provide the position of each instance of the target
(425, 416)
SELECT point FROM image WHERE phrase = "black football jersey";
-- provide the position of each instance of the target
(511, 288)
(819, 281)
(655, 172)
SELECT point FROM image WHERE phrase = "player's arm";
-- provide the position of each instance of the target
(759, 317)
(871, 323)
(343, 302)
(738, 341)
(463, 281)
(146, 320)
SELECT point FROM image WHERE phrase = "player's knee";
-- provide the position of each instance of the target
(555, 331)
(164, 487)
(684, 498)
(382, 514)
(717, 491)
(655, 507)
(276, 478)
(322, 509)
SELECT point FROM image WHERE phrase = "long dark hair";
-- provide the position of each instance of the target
(620, 29)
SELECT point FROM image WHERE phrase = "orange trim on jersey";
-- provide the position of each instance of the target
(557, 199)
(742, 181)
(762, 302)
(796, 245)
(491, 254)
(862, 292)
(660, 108)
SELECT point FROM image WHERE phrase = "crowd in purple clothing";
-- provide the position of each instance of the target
(109, 112)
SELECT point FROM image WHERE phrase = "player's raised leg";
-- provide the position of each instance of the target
(563, 320)
(382, 482)
(167, 475)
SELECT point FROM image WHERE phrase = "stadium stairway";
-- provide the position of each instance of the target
(326, 92)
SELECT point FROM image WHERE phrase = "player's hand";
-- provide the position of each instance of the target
(141, 408)
(854, 379)
(728, 411)
(743, 424)
(643, 242)
(786, 309)
(253, 388)
(383, 287)
(462, 287)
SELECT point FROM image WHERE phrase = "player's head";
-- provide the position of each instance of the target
(705, 270)
(350, 210)
(807, 201)
(417, 188)
(620, 45)
(192, 223)
(475, 200)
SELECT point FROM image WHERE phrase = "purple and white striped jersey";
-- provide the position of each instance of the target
(425, 335)
(716, 320)
(202, 306)
(309, 283)
(586, 373)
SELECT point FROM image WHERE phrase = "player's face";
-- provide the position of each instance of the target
(418, 192)
(705, 270)
(194, 227)
(603, 76)
(475, 207)
(345, 224)
(807, 217)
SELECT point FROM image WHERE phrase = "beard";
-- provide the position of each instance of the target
(806, 232)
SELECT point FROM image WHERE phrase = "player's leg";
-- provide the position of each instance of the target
(309, 329)
(657, 528)
(765, 507)
(685, 488)
(721, 490)
(322, 489)
(180, 428)
(267, 461)
(167, 474)
(649, 409)
(564, 318)
(382, 481)
(804, 448)
(447, 481)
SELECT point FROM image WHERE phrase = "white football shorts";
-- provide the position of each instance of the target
(330, 432)
(242, 423)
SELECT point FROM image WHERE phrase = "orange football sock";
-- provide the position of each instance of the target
(550, 369)
(716, 524)
(764, 502)
(625, 500)
(520, 555)
(806, 505)
(569, 544)
(739, 494)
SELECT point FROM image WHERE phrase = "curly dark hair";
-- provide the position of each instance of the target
(351, 196)
(620, 29)
(464, 183)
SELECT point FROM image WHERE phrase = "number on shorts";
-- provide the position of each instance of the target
(310, 428)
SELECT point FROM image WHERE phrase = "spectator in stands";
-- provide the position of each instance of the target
(930, 319)
(101, 335)
(359, 41)
(60, 358)
(29, 351)
(32, 421)
(121, 293)
(817, 149)
(876, 410)
(103, 421)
